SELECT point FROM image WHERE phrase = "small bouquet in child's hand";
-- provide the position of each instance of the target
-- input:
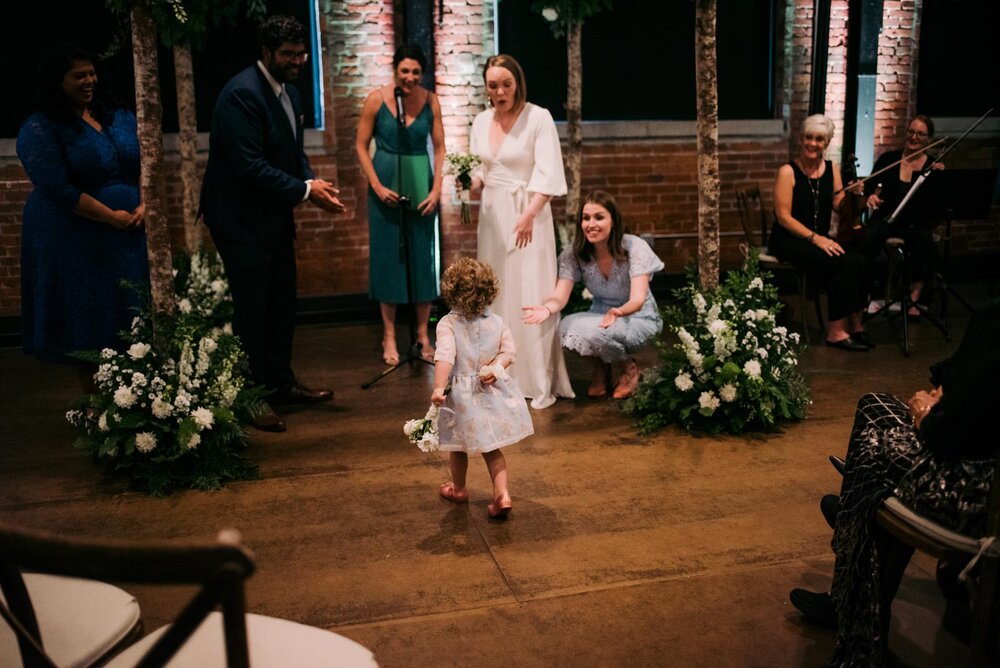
(424, 432)
(461, 165)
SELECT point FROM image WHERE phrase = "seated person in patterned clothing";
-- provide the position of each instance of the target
(936, 453)
(616, 268)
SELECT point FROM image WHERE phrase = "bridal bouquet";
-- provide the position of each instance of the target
(461, 165)
(424, 432)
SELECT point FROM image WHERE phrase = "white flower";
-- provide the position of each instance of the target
(203, 417)
(713, 313)
(410, 425)
(780, 331)
(228, 328)
(161, 408)
(138, 379)
(195, 440)
(699, 302)
(73, 417)
(124, 397)
(756, 283)
(752, 368)
(587, 294)
(145, 441)
(762, 314)
(208, 345)
(683, 382)
(182, 400)
(708, 400)
(749, 315)
(429, 442)
(184, 306)
(762, 353)
(716, 326)
(550, 14)
(138, 350)
(727, 392)
(108, 353)
(102, 422)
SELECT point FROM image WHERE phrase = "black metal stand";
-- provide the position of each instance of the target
(412, 355)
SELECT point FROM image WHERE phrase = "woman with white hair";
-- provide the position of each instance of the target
(804, 201)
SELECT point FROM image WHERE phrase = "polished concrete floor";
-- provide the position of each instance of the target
(669, 550)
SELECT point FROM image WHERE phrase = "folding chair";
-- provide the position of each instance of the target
(197, 637)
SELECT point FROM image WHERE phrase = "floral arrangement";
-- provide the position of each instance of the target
(424, 432)
(733, 367)
(171, 415)
(461, 165)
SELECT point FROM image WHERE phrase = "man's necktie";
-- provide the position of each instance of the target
(286, 102)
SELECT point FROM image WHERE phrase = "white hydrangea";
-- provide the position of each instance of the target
(683, 382)
(184, 305)
(762, 314)
(161, 408)
(752, 368)
(727, 392)
(145, 441)
(108, 353)
(124, 397)
(716, 326)
(208, 344)
(708, 400)
(762, 353)
(756, 284)
(138, 350)
(195, 440)
(203, 418)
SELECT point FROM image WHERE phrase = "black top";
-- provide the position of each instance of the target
(918, 209)
(962, 425)
(812, 201)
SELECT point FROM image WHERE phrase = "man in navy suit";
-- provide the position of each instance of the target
(257, 173)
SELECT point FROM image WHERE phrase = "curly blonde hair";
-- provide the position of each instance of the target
(469, 286)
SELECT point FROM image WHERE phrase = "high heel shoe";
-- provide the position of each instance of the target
(500, 507)
(447, 492)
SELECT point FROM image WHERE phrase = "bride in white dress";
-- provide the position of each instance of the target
(521, 171)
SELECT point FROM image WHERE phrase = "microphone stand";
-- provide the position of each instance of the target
(413, 352)
(905, 301)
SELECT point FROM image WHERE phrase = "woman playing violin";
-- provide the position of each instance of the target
(887, 190)
(804, 200)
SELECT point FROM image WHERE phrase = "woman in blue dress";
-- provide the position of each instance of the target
(83, 222)
(616, 268)
(421, 186)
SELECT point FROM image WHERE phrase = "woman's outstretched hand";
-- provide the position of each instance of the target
(535, 315)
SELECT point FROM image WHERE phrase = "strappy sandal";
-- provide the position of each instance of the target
(447, 492)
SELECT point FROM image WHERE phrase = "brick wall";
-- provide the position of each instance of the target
(654, 180)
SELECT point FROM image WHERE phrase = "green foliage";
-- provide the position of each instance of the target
(173, 417)
(562, 13)
(733, 368)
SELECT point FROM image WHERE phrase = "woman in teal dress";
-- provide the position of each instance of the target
(387, 279)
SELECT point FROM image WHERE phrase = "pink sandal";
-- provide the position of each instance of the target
(448, 493)
(500, 507)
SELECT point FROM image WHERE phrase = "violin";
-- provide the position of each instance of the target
(850, 229)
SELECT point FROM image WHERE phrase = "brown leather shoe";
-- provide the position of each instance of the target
(300, 394)
(269, 421)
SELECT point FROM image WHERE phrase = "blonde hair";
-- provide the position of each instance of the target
(512, 66)
(469, 286)
(819, 123)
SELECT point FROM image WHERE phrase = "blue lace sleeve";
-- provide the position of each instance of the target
(41, 153)
(641, 258)
(569, 266)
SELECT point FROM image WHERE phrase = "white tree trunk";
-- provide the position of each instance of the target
(574, 129)
(188, 143)
(149, 115)
(708, 145)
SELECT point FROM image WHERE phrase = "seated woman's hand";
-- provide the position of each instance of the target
(535, 315)
(610, 317)
(921, 403)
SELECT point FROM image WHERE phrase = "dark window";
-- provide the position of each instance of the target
(638, 59)
(959, 52)
(88, 24)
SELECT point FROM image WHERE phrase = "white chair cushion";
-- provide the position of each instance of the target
(952, 539)
(80, 620)
(272, 642)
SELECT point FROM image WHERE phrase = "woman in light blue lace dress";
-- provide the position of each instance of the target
(616, 268)
(484, 410)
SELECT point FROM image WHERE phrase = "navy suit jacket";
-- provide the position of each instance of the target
(256, 168)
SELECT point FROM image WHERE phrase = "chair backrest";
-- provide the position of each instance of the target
(220, 567)
(751, 207)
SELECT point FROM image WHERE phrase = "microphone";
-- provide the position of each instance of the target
(400, 112)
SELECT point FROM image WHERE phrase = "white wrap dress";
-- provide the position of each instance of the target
(528, 161)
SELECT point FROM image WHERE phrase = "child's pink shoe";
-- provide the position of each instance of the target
(448, 492)
(500, 507)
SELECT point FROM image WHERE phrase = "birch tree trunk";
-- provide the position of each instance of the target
(149, 113)
(187, 137)
(708, 145)
(574, 129)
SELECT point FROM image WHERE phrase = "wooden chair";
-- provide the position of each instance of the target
(942, 543)
(198, 636)
(752, 214)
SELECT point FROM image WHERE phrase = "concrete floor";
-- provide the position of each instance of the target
(671, 550)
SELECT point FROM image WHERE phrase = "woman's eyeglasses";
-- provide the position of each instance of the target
(916, 133)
